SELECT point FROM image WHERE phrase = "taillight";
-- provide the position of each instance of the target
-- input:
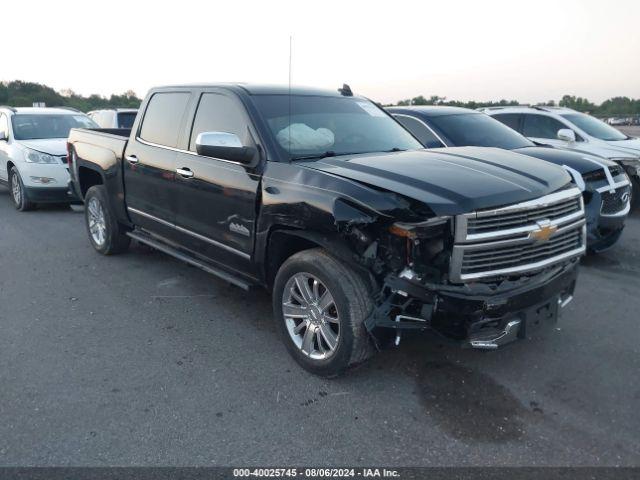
(69, 155)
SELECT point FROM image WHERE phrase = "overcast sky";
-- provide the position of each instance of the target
(481, 50)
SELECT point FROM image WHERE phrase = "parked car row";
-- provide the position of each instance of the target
(566, 128)
(335, 206)
(605, 188)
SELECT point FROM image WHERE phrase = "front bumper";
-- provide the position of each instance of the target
(50, 195)
(472, 315)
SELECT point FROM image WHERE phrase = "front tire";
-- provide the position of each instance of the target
(18, 193)
(320, 305)
(105, 233)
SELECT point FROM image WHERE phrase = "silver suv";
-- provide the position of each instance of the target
(567, 128)
(33, 153)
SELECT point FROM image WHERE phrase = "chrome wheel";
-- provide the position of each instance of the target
(16, 189)
(311, 316)
(97, 223)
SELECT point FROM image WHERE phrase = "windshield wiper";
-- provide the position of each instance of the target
(331, 153)
(317, 156)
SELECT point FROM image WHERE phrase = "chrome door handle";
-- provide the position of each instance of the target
(185, 172)
(131, 159)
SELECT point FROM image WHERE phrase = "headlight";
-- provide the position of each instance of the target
(31, 156)
(426, 229)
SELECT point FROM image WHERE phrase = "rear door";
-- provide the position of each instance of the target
(150, 162)
(511, 120)
(216, 200)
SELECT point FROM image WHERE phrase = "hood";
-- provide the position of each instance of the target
(631, 146)
(605, 149)
(451, 180)
(581, 162)
(52, 146)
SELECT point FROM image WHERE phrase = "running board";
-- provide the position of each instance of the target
(147, 240)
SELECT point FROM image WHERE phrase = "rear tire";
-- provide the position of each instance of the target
(326, 303)
(18, 193)
(105, 233)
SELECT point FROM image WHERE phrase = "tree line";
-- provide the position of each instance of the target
(614, 106)
(25, 94)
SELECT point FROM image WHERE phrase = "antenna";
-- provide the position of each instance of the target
(290, 55)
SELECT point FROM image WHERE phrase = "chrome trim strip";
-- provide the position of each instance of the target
(614, 187)
(525, 268)
(461, 228)
(521, 230)
(189, 232)
(545, 201)
(577, 177)
(150, 144)
(520, 240)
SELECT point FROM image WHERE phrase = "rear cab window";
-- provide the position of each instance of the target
(163, 118)
(126, 119)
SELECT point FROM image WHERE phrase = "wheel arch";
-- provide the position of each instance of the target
(282, 243)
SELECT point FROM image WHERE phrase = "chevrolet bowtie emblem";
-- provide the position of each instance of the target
(544, 232)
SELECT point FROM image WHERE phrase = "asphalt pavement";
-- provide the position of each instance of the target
(138, 359)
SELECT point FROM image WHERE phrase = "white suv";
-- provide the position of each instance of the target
(567, 128)
(114, 118)
(33, 153)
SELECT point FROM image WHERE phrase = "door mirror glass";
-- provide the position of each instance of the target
(226, 146)
(566, 135)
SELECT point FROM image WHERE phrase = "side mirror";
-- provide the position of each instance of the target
(4, 137)
(226, 146)
(566, 135)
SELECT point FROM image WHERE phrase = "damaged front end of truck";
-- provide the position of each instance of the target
(481, 279)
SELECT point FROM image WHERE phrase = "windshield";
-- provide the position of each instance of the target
(594, 127)
(33, 127)
(325, 126)
(126, 119)
(479, 130)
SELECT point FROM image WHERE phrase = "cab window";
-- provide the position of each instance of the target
(541, 126)
(219, 113)
(163, 118)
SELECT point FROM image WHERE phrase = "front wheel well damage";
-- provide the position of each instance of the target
(285, 243)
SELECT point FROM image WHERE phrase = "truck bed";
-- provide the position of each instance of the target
(103, 146)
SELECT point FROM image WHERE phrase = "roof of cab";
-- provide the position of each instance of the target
(432, 110)
(263, 89)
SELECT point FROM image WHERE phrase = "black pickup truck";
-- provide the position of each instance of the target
(324, 199)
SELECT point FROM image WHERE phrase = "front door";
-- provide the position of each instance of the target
(216, 199)
(544, 129)
(150, 163)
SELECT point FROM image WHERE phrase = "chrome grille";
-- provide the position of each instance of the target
(483, 224)
(516, 256)
(518, 238)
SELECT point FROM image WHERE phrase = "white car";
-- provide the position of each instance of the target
(114, 118)
(567, 128)
(33, 154)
